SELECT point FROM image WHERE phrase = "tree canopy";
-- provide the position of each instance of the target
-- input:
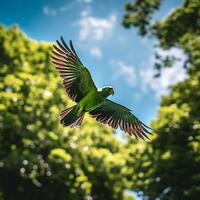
(172, 159)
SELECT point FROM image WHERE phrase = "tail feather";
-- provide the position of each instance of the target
(64, 113)
(71, 117)
(78, 121)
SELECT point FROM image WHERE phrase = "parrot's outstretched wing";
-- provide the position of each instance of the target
(76, 78)
(116, 115)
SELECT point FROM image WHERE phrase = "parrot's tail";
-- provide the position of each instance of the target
(72, 116)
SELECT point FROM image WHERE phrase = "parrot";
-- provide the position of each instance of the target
(81, 89)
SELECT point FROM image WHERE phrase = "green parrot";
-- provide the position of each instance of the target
(80, 87)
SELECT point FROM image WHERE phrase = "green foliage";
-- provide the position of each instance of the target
(39, 159)
(171, 161)
(181, 27)
(139, 14)
(185, 19)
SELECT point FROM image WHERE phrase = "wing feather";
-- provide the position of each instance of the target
(116, 115)
(77, 80)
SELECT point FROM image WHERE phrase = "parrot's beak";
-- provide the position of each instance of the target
(112, 92)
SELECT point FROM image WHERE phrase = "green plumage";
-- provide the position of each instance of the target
(80, 87)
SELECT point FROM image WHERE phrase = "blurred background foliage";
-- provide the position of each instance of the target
(173, 169)
(41, 160)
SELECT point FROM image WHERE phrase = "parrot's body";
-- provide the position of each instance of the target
(81, 89)
(93, 99)
(73, 116)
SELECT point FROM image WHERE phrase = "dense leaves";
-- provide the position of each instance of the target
(39, 159)
(139, 14)
(172, 159)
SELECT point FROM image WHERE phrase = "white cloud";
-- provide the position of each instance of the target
(94, 28)
(177, 53)
(67, 7)
(122, 70)
(96, 52)
(86, 12)
(49, 11)
(169, 76)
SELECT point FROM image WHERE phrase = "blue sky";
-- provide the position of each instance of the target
(115, 56)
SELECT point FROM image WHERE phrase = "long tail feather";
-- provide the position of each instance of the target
(78, 121)
(71, 117)
(64, 113)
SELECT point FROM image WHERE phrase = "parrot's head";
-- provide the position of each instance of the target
(107, 91)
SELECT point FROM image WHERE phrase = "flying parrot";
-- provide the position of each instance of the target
(80, 87)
